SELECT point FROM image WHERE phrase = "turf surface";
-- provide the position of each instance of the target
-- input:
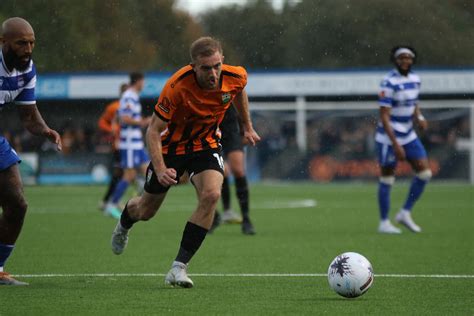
(64, 253)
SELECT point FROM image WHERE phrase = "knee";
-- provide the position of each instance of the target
(425, 175)
(15, 211)
(210, 196)
(238, 173)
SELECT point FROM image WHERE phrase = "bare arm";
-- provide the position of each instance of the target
(166, 176)
(385, 118)
(420, 119)
(34, 123)
(241, 102)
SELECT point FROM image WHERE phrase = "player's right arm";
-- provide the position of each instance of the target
(34, 123)
(166, 176)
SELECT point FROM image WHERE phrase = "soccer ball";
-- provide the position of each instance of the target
(350, 274)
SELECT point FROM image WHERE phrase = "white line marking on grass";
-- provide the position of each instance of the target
(258, 275)
(182, 207)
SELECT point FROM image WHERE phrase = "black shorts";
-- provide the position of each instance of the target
(231, 137)
(192, 163)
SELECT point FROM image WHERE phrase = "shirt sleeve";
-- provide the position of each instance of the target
(386, 94)
(166, 104)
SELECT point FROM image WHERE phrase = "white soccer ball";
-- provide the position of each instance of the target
(350, 274)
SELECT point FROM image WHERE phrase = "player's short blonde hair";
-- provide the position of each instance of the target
(204, 46)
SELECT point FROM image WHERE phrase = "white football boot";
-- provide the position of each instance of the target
(386, 227)
(119, 239)
(7, 279)
(230, 217)
(178, 276)
(404, 217)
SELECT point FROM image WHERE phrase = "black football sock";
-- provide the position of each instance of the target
(193, 236)
(111, 188)
(225, 194)
(125, 220)
(243, 196)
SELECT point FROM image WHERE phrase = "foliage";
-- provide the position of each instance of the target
(113, 35)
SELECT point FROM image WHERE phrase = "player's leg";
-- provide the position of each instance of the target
(236, 160)
(225, 192)
(128, 176)
(127, 162)
(117, 173)
(417, 157)
(387, 164)
(208, 184)
(14, 209)
(141, 208)
(206, 170)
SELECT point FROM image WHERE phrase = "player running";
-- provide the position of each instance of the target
(184, 136)
(396, 138)
(132, 149)
(17, 84)
(108, 124)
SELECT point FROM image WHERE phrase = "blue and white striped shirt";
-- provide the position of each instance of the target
(17, 86)
(400, 93)
(131, 136)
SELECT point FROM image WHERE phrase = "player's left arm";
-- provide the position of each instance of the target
(420, 119)
(241, 102)
(34, 123)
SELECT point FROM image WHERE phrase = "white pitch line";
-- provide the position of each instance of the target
(258, 275)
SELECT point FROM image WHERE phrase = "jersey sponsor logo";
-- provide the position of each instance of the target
(165, 105)
(226, 97)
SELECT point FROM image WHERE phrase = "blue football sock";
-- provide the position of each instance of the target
(5, 251)
(416, 189)
(384, 199)
(119, 191)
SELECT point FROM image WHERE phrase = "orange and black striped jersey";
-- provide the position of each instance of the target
(194, 114)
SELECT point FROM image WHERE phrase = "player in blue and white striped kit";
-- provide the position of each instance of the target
(132, 148)
(17, 85)
(396, 138)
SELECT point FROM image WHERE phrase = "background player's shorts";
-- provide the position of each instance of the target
(413, 151)
(8, 155)
(194, 163)
(231, 138)
(133, 158)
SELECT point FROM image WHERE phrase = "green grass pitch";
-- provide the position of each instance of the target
(64, 254)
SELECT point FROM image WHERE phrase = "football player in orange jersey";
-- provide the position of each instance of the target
(108, 124)
(184, 136)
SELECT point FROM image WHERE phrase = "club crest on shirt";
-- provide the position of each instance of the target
(21, 82)
(226, 97)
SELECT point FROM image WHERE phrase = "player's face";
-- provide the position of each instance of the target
(208, 70)
(140, 84)
(404, 62)
(18, 49)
